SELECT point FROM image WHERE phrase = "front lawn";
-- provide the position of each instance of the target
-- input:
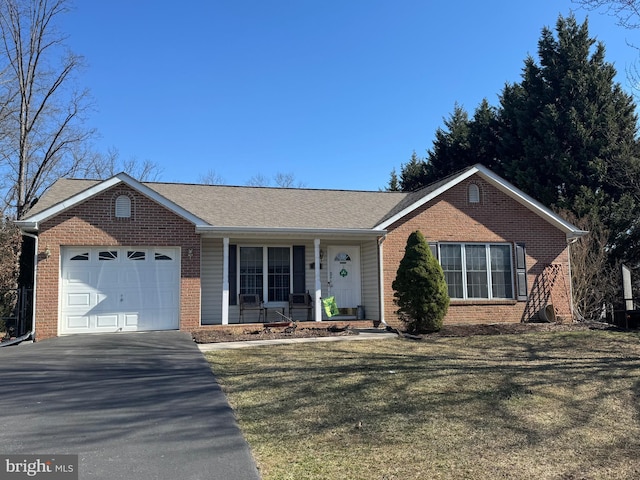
(546, 406)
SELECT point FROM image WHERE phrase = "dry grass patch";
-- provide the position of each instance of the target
(546, 406)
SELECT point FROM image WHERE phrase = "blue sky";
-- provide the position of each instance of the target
(335, 92)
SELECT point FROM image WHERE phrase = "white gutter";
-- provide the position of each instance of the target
(287, 231)
(25, 225)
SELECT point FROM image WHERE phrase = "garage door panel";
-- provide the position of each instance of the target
(77, 322)
(79, 299)
(79, 276)
(158, 297)
(115, 288)
(107, 277)
(131, 320)
(157, 317)
(107, 321)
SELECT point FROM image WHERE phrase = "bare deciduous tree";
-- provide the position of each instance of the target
(627, 13)
(211, 178)
(102, 166)
(287, 180)
(594, 280)
(258, 180)
(281, 180)
(42, 112)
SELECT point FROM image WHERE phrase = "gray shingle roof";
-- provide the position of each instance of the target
(229, 206)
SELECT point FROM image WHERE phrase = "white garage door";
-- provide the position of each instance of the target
(109, 289)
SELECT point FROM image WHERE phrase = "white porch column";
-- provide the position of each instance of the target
(318, 291)
(225, 281)
(381, 277)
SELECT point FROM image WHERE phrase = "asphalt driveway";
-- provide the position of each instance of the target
(132, 406)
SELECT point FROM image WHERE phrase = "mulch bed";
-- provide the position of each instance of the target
(266, 333)
(515, 328)
(272, 333)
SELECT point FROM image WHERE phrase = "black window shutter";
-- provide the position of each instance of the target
(521, 271)
(298, 269)
(233, 275)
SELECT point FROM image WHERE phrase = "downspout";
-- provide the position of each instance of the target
(32, 333)
(381, 278)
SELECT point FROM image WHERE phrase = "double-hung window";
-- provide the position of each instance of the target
(265, 271)
(279, 278)
(251, 270)
(477, 270)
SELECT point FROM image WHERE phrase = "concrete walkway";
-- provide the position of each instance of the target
(363, 335)
(141, 406)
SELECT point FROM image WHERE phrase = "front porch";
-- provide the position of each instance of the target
(268, 269)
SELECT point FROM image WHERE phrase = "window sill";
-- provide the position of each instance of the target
(480, 301)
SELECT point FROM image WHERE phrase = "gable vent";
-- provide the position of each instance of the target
(474, 193)
(123, 207)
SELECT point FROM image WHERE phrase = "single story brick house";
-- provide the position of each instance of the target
(123, 255)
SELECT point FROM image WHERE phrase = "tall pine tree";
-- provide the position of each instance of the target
(568, 131)
(451, 148)
(462, 143)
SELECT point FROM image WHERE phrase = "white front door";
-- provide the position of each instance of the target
(108, 289)
(344, 275)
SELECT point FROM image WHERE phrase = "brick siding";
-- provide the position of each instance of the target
(92, 223)
(496, 218)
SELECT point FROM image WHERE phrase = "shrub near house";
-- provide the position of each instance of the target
(420, 287)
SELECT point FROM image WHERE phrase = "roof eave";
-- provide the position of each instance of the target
(104, 185)
(430, 196)
(26, 226)
(234, 231)
(576, 234)
(507, 188)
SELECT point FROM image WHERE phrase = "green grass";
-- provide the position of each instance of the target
(542, 406)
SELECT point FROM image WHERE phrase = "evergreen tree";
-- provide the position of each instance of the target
(394, 183)
(568, 131)
(462, 143)
(420, 288)
(484, 137)
(451, 149)
(413, 175)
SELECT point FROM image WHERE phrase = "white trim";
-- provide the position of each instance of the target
(33, 222)
(218, 231)
(430, 196)
(225, 281)
(487, 255)
(502, 185)
(318, 289)
(381, 277)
